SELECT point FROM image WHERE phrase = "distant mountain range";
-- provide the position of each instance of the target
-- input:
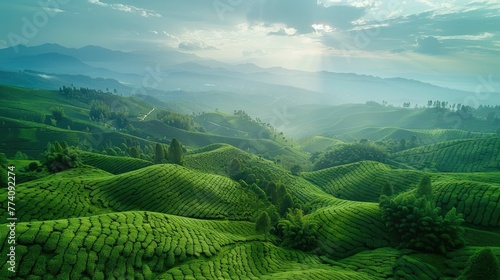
(155, 72)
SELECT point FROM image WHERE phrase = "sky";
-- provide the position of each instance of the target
(453, 43)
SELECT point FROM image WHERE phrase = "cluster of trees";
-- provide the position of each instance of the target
(158, 153)
(482, 265)
(174, 119)
(82, 94)
(59, 157)
(173, 154)
(419, 224)
(282, 216)
(100, 111)
(350, 153)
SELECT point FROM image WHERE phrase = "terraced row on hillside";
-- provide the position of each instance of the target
(472, 155)
(129, 245)
(258, 260)
(215, 158)
(423, 136)
(219, 157)
(113, 164)
(351, 228)
(166, 188)
(362, 181)
(479, 202)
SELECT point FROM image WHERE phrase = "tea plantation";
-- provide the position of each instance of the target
(217, 200)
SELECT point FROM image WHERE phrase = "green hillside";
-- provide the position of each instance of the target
(470, 155)
(241, 201)
(125, 245)
(169, 189)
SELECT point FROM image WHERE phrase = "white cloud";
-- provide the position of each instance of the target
(127, 8)
(53, 10)
(195, 45)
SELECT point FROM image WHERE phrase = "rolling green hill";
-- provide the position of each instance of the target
(469, 155)
(124, 217)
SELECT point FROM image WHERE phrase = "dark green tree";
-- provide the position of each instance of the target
(286, 203)
(57, 112)
(387, 189)
(175, 152)
(482, 265)
(134, 152)
(298, 232)
(159, 153)
(419, 224)
(424, 188)
(296, 169)
(99, 110)
(263, 224)
(235, 169)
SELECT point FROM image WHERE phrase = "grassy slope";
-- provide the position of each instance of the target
(128, 245)
(426, 136)
(73, 203)
(470, 155)
(317, 143)
(160, 188)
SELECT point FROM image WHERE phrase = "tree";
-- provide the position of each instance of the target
(134, 152)
(175, 153)
(286, 203)
(296, 169)
(387, 189)
(424, 189)
(482, 265)
(235, 168)
(98, 110)
(419, 226)
(159, 153)
(57, 113)
(298, 232)
(263, 224)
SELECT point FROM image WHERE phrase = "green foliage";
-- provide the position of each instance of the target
(134, 152)
(263, 224)
(349, 153)
(20, 156)
(57, 159)
(424, 189)
(296, 169)
(175, 119)
(419, 225)
(159, 153)
(57, 112)
(286, 203)
(235, 168)
(387, 189)
(175, 152)
(33, 166)
(99, 110)
(298, 232)
(482, 265)
(3, 160)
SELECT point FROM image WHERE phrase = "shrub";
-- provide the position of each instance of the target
(298, 232)
(482, 265)
(263, 224)
(419, 225)
(57, 159)
(350, 153)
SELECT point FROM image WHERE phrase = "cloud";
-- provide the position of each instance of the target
(302, 15)
(195, 46)
(429, 45)
(283, 32)
(127, 8)
(53, 10)
(253, 52)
